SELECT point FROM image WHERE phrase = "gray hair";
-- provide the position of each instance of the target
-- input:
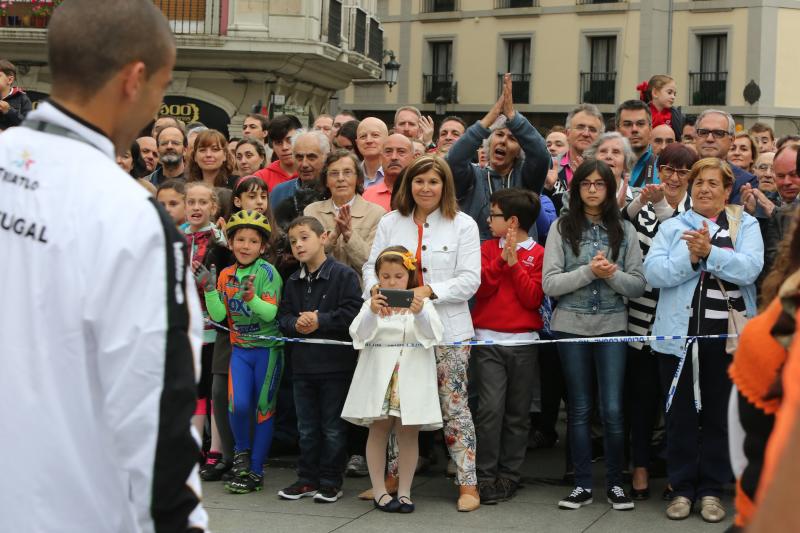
(407, 108)
(321, 138)
(630, 157)
(501, 122)
(589, 109)
(706, 112)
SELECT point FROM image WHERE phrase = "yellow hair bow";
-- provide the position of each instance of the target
(409, 261)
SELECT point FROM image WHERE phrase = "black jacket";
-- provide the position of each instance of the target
(20, 106)
(335, 293)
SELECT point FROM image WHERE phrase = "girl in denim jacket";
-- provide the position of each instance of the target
(592, 263)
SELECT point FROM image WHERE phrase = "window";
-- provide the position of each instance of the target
(335, 22)
(598, 85)
(439, 6)
(359, 42)
(709, 85)
(375, 40)
(518, 64)
(440, 81)
(506, 4)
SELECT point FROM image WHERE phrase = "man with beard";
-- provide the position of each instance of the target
(506, 168)
(171, 146)
(397, 154)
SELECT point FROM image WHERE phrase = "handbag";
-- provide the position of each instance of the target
(736, 322)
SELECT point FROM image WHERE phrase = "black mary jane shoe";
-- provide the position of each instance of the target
(640, 494)
(406, 505)
(392, 506)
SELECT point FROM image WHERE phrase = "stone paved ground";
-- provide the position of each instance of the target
(533, 509)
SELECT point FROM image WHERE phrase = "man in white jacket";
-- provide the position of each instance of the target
(100, 315)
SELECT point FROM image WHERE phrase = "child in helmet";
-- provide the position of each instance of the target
(247, 293)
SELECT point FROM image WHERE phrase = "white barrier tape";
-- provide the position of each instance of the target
(579, 340)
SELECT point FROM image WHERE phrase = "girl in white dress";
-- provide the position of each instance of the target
(394, 385)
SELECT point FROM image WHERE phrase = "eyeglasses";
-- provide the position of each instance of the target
(764, 167)
(347, 173)
(630, 123)
(718, 134)
(669, 171)
(584, 127)
(494, 215)
(598, 185)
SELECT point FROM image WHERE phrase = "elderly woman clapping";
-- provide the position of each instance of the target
(705, 262)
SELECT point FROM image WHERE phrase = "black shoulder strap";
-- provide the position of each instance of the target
(55, 129)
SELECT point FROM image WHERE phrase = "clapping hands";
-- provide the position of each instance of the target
(699, 243)
(307, 322)
(503, 106)
(602, 267)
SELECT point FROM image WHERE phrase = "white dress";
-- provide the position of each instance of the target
(416, 368)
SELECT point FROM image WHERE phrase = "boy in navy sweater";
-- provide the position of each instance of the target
(506, 308)
(320, 300)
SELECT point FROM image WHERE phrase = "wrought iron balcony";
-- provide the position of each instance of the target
(435, 85)
(708, 88)
(598, 87)
(520, 87)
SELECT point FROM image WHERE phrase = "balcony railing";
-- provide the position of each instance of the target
(598, 87)
(192, 17)
(508, 4)
(708, 88)
(587, 2)
(435, 85)
(186, 17)
(438, 6)
(520, 87)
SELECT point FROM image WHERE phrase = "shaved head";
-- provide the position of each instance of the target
(371, 123)
(89, 42)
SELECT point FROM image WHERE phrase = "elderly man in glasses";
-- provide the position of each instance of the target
(715, 130)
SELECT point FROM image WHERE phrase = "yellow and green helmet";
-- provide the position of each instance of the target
(248, 219)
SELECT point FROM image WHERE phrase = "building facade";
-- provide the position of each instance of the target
(234, 55)
(562, 52)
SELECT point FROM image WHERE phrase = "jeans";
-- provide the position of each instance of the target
(319, 400)
(580, 362)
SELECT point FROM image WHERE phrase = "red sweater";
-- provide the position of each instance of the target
(273, 175)
(509, 298)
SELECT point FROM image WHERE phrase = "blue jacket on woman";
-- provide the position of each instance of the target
(668, 267)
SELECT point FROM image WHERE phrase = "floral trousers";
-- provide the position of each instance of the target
(459, 430)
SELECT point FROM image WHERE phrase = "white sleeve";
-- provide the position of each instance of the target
(378, 245)
(428, 327)
(736, 435)
(138, 318)
(466, 278)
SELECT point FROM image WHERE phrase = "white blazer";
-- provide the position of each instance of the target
(419, 396)
(451, 263)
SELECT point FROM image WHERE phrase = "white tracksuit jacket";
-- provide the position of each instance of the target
(99, 334)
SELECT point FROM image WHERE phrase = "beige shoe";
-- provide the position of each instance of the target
(679, 508)
(468, 498)
(711, 509)
(391, 487)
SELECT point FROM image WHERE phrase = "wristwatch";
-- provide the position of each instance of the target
(433, 294)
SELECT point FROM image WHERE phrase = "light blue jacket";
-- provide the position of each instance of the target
(668, 267)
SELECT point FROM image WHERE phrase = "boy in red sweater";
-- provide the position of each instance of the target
(506, 309)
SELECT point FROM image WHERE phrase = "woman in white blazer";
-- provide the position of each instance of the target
(447, 246)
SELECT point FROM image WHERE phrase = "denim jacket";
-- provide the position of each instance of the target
(669, 268)
(569, 277)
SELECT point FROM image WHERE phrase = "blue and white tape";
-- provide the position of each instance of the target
(579, 340)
